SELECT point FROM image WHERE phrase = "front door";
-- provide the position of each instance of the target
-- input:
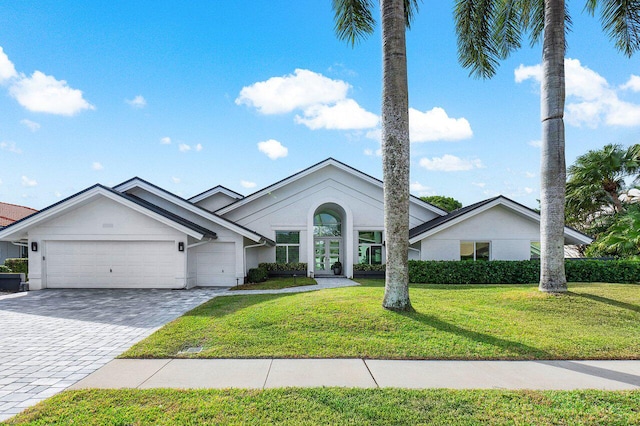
(327, 252)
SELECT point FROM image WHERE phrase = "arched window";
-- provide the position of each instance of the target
(327, 223)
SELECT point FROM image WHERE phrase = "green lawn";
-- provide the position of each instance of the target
(293, 406)
(593, 321)
(277, 283)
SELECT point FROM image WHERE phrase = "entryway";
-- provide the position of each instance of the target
(327, 252)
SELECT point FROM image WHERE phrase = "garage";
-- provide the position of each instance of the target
(215, 264)
(110, 264)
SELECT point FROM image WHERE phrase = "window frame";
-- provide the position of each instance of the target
(287, 247)
(475, 250)
(368, 246)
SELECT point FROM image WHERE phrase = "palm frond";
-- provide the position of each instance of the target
(621, 21)
(353, 19)
(477, 48)
(411, 8)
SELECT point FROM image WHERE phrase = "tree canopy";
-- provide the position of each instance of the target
(445, 203)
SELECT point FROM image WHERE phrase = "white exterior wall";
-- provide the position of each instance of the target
(8, 251)
(510, 235)
(216, 201)
(101, 220)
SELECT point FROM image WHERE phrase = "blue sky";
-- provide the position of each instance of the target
(189, 95)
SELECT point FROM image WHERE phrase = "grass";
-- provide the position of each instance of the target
(277, 283)
(593, 321)
(293, 406)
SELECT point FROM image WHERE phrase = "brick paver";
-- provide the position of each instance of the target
(50, 339)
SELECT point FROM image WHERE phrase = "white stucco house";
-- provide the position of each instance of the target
(138, 235)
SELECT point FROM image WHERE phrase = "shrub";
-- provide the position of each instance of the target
(279, 267)
(18, 265)
(4, 269)
(257, 275)
(520, 272)
(367, 267)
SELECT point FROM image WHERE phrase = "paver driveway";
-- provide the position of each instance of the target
(50, 339)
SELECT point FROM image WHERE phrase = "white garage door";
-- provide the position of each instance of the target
(110, 264)
(215, 264)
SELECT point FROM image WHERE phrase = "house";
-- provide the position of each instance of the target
(138, 235)
(10, 213)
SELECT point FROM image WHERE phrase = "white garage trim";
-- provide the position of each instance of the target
(111, 264)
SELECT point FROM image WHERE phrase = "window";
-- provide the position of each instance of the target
(370, 247)
(475, 250)
(327, 224)
(287, 246)
(535, 250)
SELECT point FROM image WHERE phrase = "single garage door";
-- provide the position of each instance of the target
(215, 264)
(110, 264)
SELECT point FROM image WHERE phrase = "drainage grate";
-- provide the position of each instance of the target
(193, 350)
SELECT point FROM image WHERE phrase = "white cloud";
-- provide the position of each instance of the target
(590, 98)
(529, 175)
(247, 184)
(137, 102)
(273, 149)
(368, 152)
(420, 189)
(31, 125)
(299, 90)
(436, 125)
(97, 166)
(7, 69)
(198, 147)
(479, 184)
(28, 182)
(165, 141)
(175, 179)
(450, 163)
(633, 84)
(43, 93)
(528, 190)
(346, 114)
(10, 147)
(535, 144)
(57, 194)
(183, 147)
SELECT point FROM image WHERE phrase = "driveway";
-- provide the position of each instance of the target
(50, 339)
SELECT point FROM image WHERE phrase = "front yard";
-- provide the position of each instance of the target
(593, 321)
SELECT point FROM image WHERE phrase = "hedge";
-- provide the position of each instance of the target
(520, 272)
(18, 265)
(283, 267)
(257, 275)
(367, 267)
(5, 269)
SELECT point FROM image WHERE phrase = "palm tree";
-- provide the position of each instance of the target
(354, 21)
(489, 31)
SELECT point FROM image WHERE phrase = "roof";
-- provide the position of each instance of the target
(10, 213)
(163, 193)
(311, 169)
(90, 192)
(215, 190)
(435, 225)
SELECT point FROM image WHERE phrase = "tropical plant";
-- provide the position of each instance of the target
(488, 31)
(445, 203)
(622, 238)
(354, 21)
(595, 184)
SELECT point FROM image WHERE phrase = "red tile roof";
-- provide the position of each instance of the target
(10, 213)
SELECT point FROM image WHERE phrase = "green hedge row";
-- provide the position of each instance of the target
(257, 275)
(367, 267)
(520, 272)
(18, 265)
(281, 267)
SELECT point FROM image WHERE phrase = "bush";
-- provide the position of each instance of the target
(4, 269)
(520, 272)
(18, 265)
(367, 267)
(280, 267)
(257, 275)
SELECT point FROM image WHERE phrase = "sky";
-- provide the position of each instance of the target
(190, 95)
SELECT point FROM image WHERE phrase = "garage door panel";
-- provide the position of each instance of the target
(215, 264)
(110, 264)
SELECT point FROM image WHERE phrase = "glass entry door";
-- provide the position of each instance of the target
(327, 252)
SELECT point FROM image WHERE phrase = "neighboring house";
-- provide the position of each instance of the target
(10, 213)
(137, 235)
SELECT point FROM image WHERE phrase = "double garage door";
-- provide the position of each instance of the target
(111, 264)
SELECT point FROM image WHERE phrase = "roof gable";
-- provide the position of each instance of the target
(315, 168)
(439, 224)
(89, 194)
(214, 191)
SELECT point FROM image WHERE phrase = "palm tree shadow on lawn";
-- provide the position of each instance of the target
(611, 302)
(509, 347)
(222, 306)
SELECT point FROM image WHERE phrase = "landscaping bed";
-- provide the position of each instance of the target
(592, 321)
(277, 283)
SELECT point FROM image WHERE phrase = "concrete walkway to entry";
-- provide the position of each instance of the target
(361, 373)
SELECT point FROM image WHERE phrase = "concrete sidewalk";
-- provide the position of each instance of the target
(272, 373)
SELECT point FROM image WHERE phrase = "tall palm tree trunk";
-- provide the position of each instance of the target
(395, 154)
(553, 169)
